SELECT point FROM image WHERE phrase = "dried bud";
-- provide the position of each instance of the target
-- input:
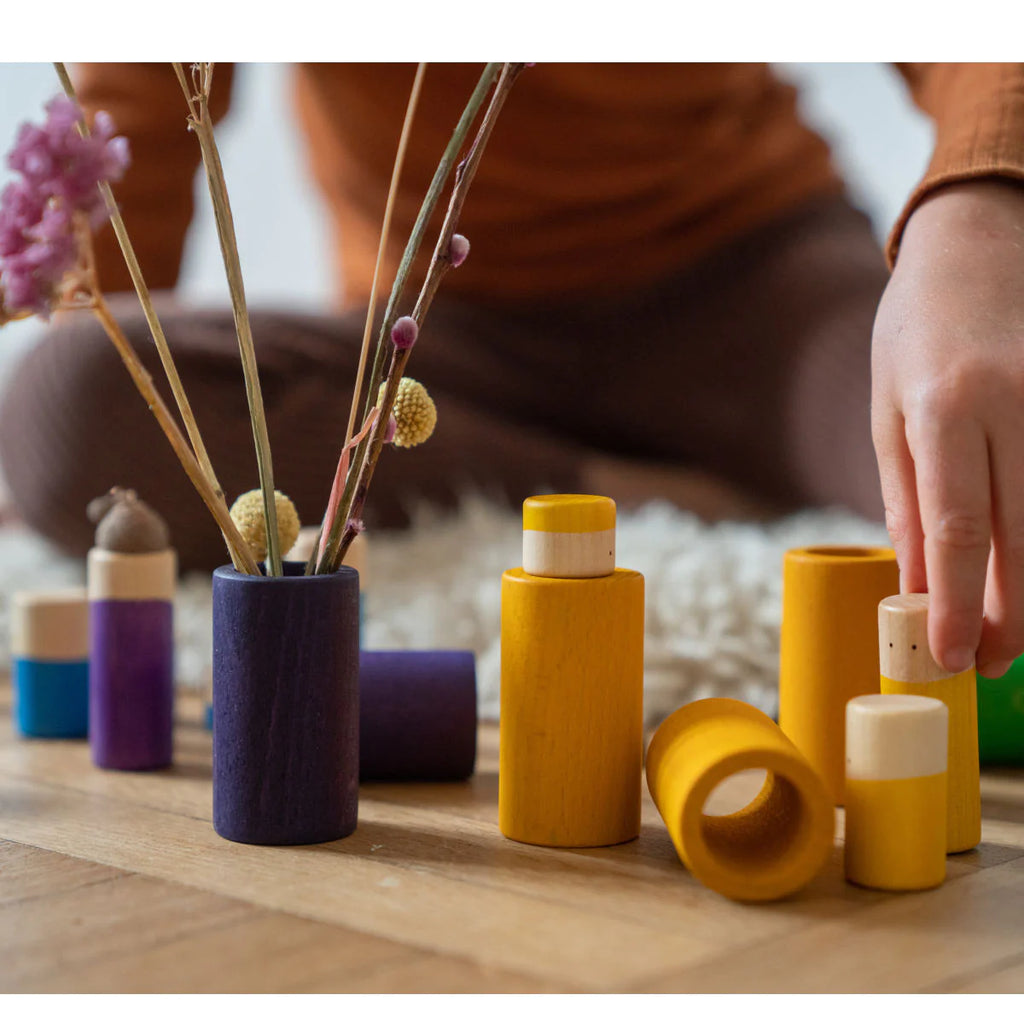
(404, 332)
(459, 250)
(248, 515)
(356, 526)
(414, 412)
(392, 429)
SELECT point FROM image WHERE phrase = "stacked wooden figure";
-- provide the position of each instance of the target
(572, 654)
(907, 667)
(896, 791)
(131, 573)
(50, 663)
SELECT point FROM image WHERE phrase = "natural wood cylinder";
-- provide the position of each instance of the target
(907, 666)
(767, 850)
(50, 625)
(829, 646)
(896, 791)
(572, 656)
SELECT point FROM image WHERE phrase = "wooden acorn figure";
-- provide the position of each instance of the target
(907, 666)
(131, 578)
(572, 631)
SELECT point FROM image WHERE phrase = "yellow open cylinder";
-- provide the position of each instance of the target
(770, 848)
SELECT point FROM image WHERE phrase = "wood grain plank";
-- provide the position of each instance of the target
(50, 936)
(906, 943)
(336, 883)
(27, 873)
(256, 952)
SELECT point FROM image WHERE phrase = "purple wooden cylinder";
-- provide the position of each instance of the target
(285, 706)
(417, 715)
(131, 684)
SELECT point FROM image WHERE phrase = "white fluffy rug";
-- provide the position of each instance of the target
(713, 594)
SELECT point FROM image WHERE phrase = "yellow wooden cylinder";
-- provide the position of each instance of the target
(896, 792)
(770, 848)
(907, 667)
(829, 646)
(571, 747)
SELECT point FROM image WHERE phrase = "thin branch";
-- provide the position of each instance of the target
(331, 559)
(439, 265)
(343, 461)
(203, 127)
(155, 328)
(144, 384)
(385, 231)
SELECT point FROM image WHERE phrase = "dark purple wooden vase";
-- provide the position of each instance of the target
(285, 706)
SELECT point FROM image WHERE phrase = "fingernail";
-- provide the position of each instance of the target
(995, 669)
(959, 659)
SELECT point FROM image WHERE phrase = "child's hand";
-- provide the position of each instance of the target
(948, 418)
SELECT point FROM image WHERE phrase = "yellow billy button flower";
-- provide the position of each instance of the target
(247, 513)
(415, 413)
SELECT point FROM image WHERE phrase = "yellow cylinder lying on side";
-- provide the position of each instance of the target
(767, 850)
(896, 791)
(829, 646)
(907, 667)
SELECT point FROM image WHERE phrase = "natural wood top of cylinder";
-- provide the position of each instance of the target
(895, 736)
(903, 651)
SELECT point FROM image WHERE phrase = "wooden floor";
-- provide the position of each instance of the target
(116, 882)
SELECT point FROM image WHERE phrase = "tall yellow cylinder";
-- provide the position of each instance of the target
(571, 744)
(907, 667)
(829, 646)
(770, 848)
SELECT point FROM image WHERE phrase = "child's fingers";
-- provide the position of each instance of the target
(950, 454)
(899, 493)
(1002, 637)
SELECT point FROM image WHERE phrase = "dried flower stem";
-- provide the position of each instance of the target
(202, 124)
(144, 383)
(155, 328)
(440, 263)
(385, 231)
(333, 554)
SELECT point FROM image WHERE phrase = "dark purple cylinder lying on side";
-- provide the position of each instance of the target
(131, 684)
(285, 706)
(417, 716)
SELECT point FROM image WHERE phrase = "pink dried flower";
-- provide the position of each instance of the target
(355, 525)
(59, 163)
(60, 170)
(392, 429)
(459, 250)
(404, 333)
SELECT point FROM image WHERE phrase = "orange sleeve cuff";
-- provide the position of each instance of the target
(978, 111)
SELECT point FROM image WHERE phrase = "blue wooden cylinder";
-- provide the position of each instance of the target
(50, 663)
(417, 714)
(285, 706)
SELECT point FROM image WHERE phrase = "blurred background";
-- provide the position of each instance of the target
(880, 140)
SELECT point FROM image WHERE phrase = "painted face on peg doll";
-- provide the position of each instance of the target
(903, 640)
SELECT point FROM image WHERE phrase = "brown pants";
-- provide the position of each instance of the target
(750, 368)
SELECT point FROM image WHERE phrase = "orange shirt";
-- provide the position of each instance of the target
(598, 178)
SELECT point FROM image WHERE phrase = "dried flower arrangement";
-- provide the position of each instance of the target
(46, 265)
